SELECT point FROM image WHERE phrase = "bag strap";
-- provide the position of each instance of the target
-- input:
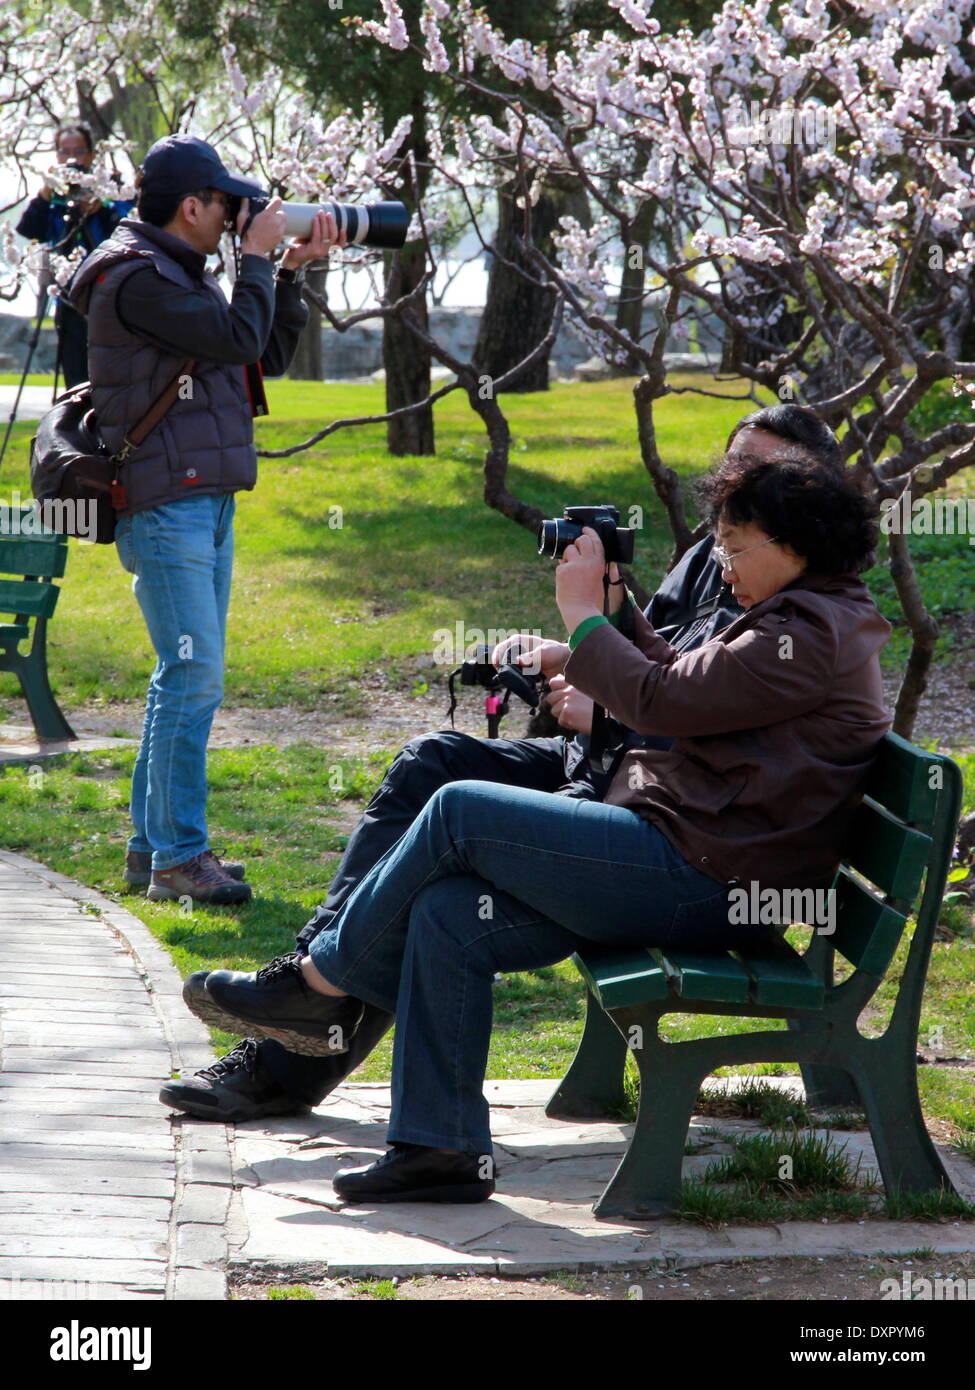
(156, 411)
(166, 397)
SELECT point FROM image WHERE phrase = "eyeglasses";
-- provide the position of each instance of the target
(725, 558)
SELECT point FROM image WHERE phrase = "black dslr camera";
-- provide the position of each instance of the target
(554, 536)
(499, 682)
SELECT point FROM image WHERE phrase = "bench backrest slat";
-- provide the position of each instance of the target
(867, 929)
(30, 597)
(887, 852)
(901, 838)
(45, 556)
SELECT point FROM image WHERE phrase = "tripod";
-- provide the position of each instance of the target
(43, 300)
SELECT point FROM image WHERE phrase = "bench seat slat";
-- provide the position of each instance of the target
(619, 978)
(12, 633)
(781, 978)
(715, 978)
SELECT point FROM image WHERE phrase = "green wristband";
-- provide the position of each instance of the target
(584, 629)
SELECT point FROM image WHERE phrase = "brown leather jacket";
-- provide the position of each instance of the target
(776, 721)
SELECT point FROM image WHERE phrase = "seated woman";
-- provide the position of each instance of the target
(774, 722)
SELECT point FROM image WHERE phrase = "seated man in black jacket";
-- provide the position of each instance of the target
(692, 604)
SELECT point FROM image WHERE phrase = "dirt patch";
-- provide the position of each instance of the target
(946, 718)
(768, 1281)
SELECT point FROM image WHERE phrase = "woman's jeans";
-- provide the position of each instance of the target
(181, 554)
(490, 879)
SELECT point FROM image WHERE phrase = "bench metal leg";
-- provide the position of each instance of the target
(887, 1081)
(45, 713)
(592, 1088)
(647, 1184)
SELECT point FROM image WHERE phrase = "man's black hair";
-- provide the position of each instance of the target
(81, 128)
(159, 209)
(799, 425)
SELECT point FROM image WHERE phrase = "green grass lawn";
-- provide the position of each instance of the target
(317, 607)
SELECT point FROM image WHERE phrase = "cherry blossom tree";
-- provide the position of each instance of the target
(810, 167)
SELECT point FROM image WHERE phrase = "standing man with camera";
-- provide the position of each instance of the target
(151, 305)
(64, 222)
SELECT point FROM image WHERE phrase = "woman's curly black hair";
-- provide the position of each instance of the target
(817, 511)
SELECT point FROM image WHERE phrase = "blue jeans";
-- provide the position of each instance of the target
(488, 879)
(181, 555)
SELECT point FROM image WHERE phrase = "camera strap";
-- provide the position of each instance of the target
(602, 754)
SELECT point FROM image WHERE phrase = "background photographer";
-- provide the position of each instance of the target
(64, 222)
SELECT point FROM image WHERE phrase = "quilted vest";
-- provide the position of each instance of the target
(205, 442)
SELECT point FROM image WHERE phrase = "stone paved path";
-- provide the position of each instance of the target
(97, 1187)
(102, 1186)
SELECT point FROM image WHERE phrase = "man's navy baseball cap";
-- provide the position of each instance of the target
(181, 164)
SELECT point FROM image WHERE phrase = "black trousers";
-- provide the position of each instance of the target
(72, 329)
(419, 770)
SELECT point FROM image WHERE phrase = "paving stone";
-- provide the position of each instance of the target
(58, 1104)
(73, 1206)
(94, 1245)
(38, 1077)
(507, 1092)
(101, 1016)
(92, 1225)
(202, 1136)
(206, 1167)
(101, 1127)
(90, 1061)
(315, 1239)
(199, 1245)
(203, 1204)
(89, 1178)
(147, 1274)
(199, 1284)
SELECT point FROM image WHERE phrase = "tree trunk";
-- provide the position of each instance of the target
(306, 365)
(629, 309)
(517, 313)
(406, 361)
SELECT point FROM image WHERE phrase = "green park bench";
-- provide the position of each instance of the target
(30, 598)
(902, 838)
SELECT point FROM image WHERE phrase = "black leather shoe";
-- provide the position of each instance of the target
(413, 1173)
(235, 1088)
(275, 1002)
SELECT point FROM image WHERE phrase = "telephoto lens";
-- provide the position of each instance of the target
(373, 224)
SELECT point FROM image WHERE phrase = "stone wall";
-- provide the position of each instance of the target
(356, 354)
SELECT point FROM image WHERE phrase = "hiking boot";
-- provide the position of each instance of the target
(233, 1089)
(207, 1010)
(414, 1173)
(275, 1002)
(202, 878)
(138, 867)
